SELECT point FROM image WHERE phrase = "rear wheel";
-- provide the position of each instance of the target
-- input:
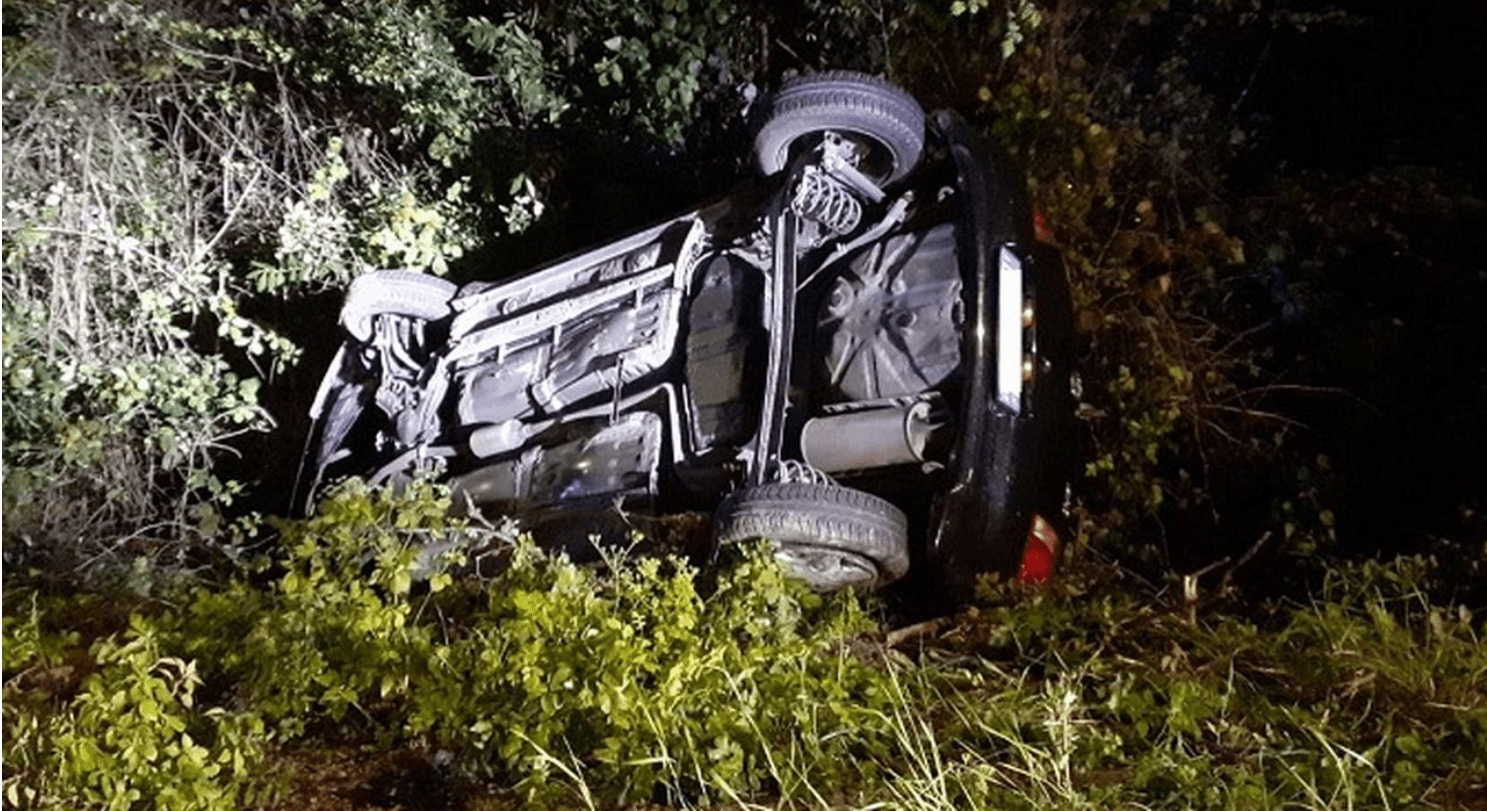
(870, 110)
(832, 537)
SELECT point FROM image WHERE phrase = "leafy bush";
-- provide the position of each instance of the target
(131, 736)
(162, 168)
(641, 680)
(639, 676)
(111, 416)
(1095, 695)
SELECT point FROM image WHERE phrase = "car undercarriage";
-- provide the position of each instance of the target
(864, 333)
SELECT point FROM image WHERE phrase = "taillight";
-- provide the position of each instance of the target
(1040, 228)
(1040, 553)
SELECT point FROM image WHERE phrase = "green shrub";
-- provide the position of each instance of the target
(113, 416)
(1363, 696)
(642, 675)
(640, 680)
(162, 167)
(132, 735)
(645, 686)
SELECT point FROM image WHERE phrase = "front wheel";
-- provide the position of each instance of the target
(832, 537)
(870, 110)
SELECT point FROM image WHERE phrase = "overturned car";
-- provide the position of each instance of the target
(862, 355)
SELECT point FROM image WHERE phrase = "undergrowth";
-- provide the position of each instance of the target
(644, 680)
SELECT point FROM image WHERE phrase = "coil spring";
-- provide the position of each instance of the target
(822, 199)
(791, 470)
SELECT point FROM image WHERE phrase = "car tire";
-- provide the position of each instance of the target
(394, 292)
(832, 537)
(843, 101)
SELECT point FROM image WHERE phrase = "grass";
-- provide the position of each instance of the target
(1091, 693)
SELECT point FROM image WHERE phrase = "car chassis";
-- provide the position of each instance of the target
(862, 355)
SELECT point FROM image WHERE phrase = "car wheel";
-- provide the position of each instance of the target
(845, 102)
(394, 292)
(832, 537)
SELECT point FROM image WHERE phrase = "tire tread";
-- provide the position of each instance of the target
(842, 100)
(394, 292)
(820, 515)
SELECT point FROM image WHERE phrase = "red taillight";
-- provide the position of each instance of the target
(1040, 553)
(1040, 228)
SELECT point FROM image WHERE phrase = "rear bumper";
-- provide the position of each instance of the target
(1013, 459)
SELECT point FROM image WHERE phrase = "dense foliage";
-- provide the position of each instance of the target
(178, 176)
(643, 680)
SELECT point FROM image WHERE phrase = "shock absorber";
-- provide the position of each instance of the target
(820, 198)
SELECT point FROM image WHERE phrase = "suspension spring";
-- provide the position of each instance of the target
(820, 198)
(791, 470)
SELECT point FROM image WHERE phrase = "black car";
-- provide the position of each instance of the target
(862, 355)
